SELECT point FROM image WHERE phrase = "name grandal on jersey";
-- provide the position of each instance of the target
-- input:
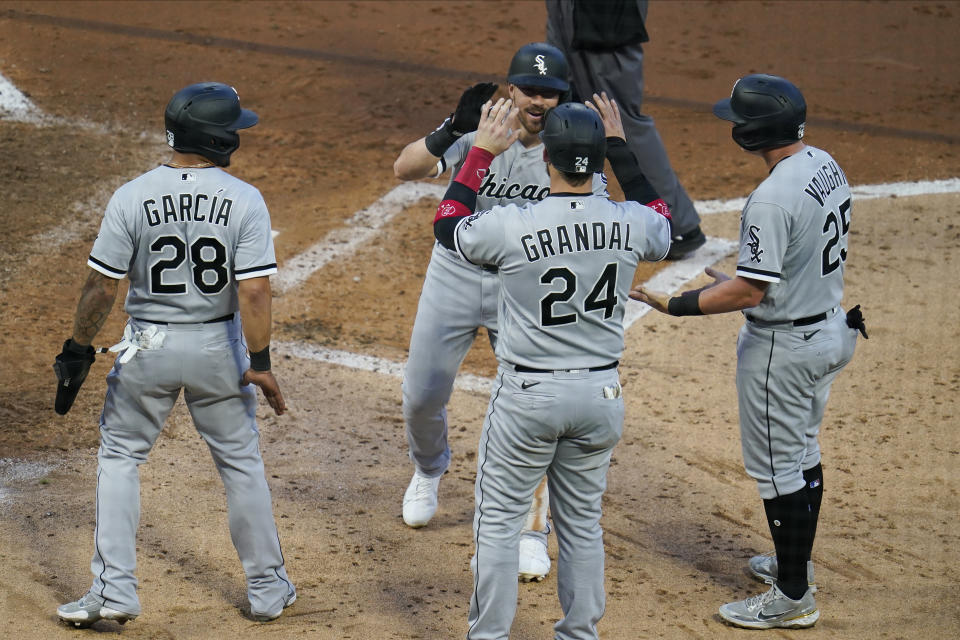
(585, 237)
(188, 207)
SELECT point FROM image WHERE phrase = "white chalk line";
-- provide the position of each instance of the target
(305, 351)
(15, 471)
(341, 243)
(364, 224)
(361, 227)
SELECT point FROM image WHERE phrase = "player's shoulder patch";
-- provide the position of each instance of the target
(469, 220)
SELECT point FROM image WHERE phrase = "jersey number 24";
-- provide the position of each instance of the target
(603, 295)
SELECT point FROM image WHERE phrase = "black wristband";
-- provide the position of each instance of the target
(442, 138)
(686, 304)
(76, 347)
(260, 360)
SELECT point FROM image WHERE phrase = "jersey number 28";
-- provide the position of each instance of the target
(208, 257)
(603, 295)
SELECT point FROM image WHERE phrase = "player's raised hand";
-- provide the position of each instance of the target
(656, 300)
(271, 389)
(718, 276)
(467, 116)
(498, 128)
(609, 113)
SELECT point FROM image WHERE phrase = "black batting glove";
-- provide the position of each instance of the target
(855, 321)
(71, 367)
(464, 119)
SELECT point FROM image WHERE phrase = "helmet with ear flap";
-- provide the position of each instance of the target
(204, 118)
(574, 138)
(766, 111)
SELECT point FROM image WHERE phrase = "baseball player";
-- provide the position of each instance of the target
(459, 297)
(196, 246)
(603, 42)
(565, 266)
(794, 233)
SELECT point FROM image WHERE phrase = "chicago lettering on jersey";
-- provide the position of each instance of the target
(573, 238)
(188, 207)
(824, 181)
(491, 187)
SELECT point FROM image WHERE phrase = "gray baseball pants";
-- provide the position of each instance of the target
(456, 300)
(784, 375)
(207, 361)
(565, 425)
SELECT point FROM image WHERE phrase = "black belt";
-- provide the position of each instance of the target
(519, 368)
(799, 322)
(490, 268)
(225, 318)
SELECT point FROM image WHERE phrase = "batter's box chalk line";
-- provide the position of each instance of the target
(360, 228)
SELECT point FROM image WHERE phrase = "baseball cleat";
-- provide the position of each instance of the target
(772, 610)
(89, 609)
(275, 613)
(683, 245)
(420, 500)
(534, 560)
(764, 567)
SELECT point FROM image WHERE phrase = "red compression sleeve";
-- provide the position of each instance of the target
(471, 174)
(474, 168)
(661, 207)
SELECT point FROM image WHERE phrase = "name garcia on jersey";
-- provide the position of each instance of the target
(583, 236)
(188, 207)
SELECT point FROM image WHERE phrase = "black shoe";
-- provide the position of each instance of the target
(684, 244)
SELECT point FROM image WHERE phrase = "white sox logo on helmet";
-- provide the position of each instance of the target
(541, 65)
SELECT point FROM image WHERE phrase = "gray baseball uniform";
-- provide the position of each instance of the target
(618, 70)
(793, 235)
(457, 299)
(183, 237)
(565, 268)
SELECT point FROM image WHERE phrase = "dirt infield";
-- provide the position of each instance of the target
(340, 88)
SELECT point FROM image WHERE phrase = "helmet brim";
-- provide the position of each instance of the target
(724, 111)
(535, 80)
(246, 120)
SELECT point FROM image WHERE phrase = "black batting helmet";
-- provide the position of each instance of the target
(204, 118)
(766, 111)
(574, 137)
(539, 64)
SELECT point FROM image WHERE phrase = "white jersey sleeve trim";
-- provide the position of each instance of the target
(255, 272)
(105, 269)
(456, 240)
(757, 274)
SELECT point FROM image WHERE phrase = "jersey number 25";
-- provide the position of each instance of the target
(839, 232)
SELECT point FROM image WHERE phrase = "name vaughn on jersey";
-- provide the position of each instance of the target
(188, 207)
(576, 237)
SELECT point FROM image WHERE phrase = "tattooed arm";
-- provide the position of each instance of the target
(96, 301)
